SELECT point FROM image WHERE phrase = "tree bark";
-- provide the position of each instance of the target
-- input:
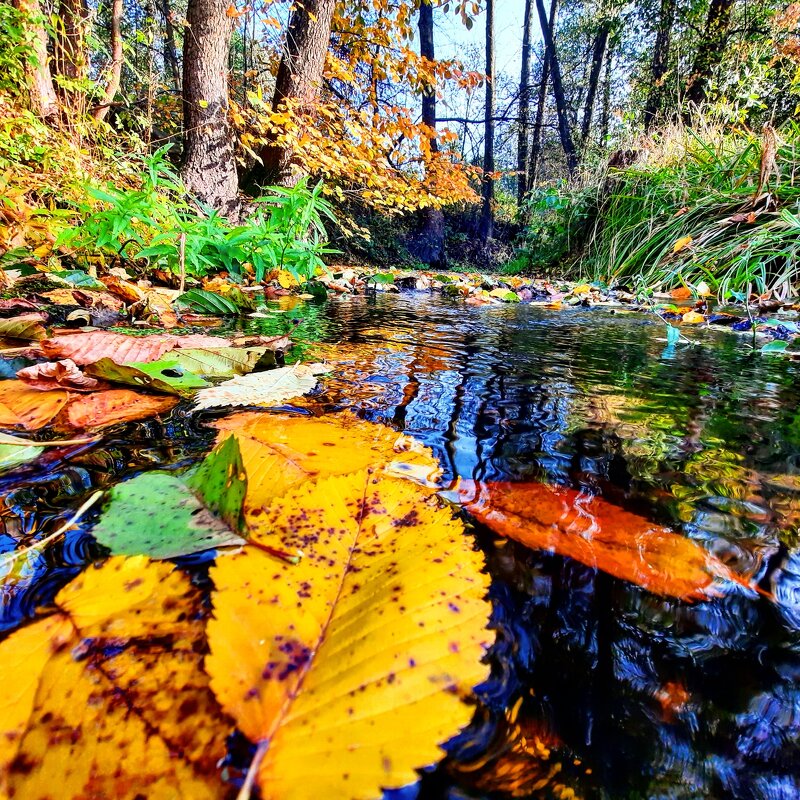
(40, 80)
(427, 242)
(209, 168)
(658, 69)
(486, 226)
(170, 48)
(523, 132)
(299, 79)
(598, 54)
(536, 143)
(115, 68)
(605, 112)
(564, 131)
(709, 51)
(69, 49)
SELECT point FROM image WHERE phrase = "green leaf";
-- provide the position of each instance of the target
(221, 482)
(201, 301)
(381, 277)
(225, 362)
(161, 515)
(673, 334)
(168, 375)
(13, 453)
(80, 279)
(776, 347)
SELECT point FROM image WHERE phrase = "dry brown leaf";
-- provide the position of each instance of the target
(124, 290)
(87, 348)
(112, 407)
(58, 375)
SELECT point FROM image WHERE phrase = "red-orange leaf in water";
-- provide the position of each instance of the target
(102, 409)
(87, 348)
(596, 533)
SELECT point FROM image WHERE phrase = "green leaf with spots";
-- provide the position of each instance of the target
(221, 482)
(168, 375)
(161, 515)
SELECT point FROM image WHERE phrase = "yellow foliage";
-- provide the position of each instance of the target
(356, 659)
(280, 451)
(84, 706)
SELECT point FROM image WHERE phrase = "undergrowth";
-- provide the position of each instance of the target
(720, 206)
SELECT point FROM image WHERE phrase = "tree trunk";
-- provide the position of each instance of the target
(209, 168)
(486, 226)
(115, 68)
(660, 64)
(562, 112)
(299, 79)
(598, 54)
(605, 112)
(523, 132)
(69, 49)
(427, 242)
(536, 144)
(170, 49)
(40, 81)
(709, 51)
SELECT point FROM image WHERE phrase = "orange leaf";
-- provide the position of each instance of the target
(692, 318)
(86, 348)
(681, 293)
(21, 405)
(681, 244)
(102, 409)
(596, 533)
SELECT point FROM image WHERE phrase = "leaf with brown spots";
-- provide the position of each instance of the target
(596, 533)
(24, 407)
(112, 407)
(350, 667)
(107, 697)
(280, 451)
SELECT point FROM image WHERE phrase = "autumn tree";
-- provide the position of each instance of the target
(486, 225)
(523, 132)
(209, 167)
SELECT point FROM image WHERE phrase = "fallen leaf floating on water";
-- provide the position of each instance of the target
(268, 388)
(58, 375)
(161, 515)
(692, 318)
(356, 660)
(16, 450)
(25, 407)
(280, 451)
(87, 348)
(107, 697)
(112, 407)
(596, 533)
(223, 363)
(166, 375)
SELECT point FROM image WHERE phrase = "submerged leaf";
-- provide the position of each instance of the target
(107, 697)
(166, 375)
(281, 450)
(356, 659)
(262, 388)
(596, 533)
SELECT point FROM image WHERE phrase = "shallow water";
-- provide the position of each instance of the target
(599, 689)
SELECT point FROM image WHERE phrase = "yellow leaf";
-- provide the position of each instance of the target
(286, 279)
(280, 451)
(107, 696)
(692, 318)
(350, 667)
(584, 288)
(22, 406)
(681, 244)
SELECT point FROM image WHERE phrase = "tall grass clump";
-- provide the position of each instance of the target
(705, 204)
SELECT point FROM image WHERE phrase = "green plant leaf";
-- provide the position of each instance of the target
(168, 375)
(776, 347)
(200, 300)
(80, 279)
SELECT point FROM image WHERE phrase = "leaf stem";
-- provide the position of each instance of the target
(247, 786)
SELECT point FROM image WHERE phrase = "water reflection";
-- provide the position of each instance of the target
(599, 689)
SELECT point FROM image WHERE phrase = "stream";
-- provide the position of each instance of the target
(599, 688)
